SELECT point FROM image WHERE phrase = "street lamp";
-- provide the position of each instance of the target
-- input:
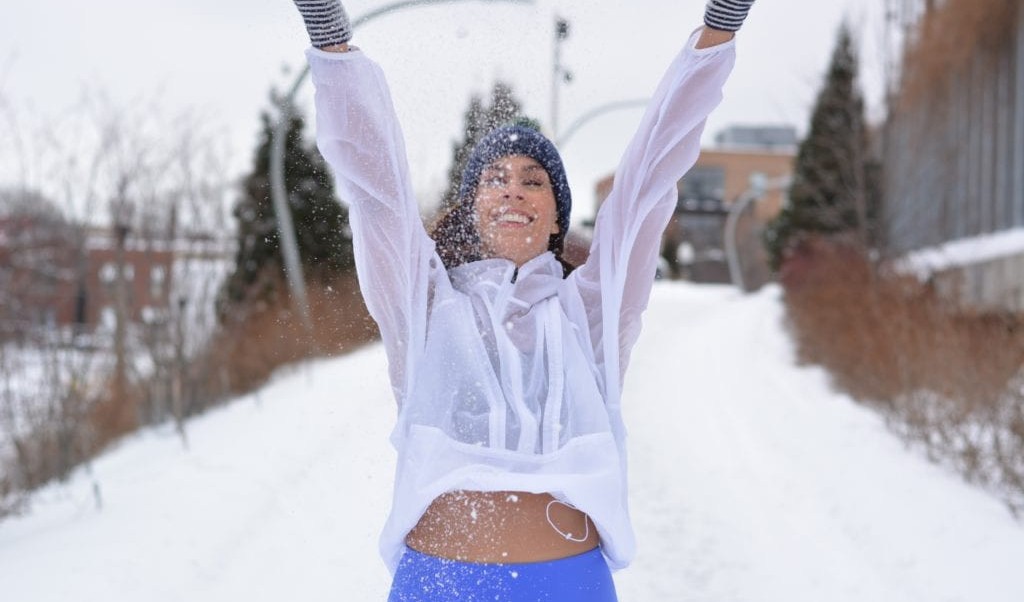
(759, 185)
(278, 194)
(582, 120)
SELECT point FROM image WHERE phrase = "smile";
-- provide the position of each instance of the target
(514, 217)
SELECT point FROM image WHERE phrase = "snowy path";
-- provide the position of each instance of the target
(751, 481)
(764, 485)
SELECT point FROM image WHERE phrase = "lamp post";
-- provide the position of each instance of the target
(582, 120)
(759, 185)
(278, 193)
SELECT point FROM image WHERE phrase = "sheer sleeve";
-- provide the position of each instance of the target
(615, 281)
(359, 136)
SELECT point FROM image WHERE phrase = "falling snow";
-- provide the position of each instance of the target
(750, 480)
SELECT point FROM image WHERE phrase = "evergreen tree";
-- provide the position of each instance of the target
(504, 108)
(835, 188)
(320, 221)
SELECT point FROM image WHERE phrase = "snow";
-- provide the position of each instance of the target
(963, 252)
(31, 385)
(750, 480)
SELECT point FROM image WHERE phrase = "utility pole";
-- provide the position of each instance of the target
(125, 414)
(559, 74)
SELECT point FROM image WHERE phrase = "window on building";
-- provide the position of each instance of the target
(703, 182)
(108, 273)
(157, 278)
(108, 318)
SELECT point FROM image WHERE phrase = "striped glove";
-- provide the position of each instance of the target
(726, 15)
(326, 22)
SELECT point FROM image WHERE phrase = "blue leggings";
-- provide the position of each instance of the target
(424, 578)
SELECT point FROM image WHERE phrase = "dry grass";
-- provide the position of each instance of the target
(949, 38)
(272, 334)
(944, 376)
(240, 358)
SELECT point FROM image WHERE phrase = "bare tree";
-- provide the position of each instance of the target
(149, 191)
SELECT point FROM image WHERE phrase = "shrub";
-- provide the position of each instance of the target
(72, 420)
(269, 334)
(946, 376)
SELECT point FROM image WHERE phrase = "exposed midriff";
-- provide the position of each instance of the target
(502, 526)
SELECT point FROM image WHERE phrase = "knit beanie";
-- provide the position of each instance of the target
(521, 140)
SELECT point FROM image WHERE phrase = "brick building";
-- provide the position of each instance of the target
(146, 271)
(65, 278)
(693, 246)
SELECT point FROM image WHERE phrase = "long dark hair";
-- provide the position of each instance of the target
(455, 234)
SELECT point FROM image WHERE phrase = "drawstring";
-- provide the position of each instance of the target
(568, 536)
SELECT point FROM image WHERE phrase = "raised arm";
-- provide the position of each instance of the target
(359, 135)
(616, 280)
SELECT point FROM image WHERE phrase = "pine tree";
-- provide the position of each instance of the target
(504, 108)
(835, 189)
(320, 221)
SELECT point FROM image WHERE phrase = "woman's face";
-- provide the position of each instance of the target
(515, 209)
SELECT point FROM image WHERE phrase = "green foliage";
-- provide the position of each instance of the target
(320, 221)
(835, 189)
(504, 109)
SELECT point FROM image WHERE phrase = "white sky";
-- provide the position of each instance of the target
(219, 59)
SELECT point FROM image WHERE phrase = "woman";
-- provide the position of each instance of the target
(511, 475)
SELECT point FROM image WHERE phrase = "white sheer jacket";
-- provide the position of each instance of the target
(508, 384)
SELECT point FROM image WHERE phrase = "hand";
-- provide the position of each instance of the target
(726, 15)
(326, 22)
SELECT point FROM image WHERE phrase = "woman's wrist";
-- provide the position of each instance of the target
(709, 36)
(343, 47)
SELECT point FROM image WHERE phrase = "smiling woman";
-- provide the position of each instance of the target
(515, 210)
(506, 363)
(513, 203)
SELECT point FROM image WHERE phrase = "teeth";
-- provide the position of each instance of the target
(516, 218)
